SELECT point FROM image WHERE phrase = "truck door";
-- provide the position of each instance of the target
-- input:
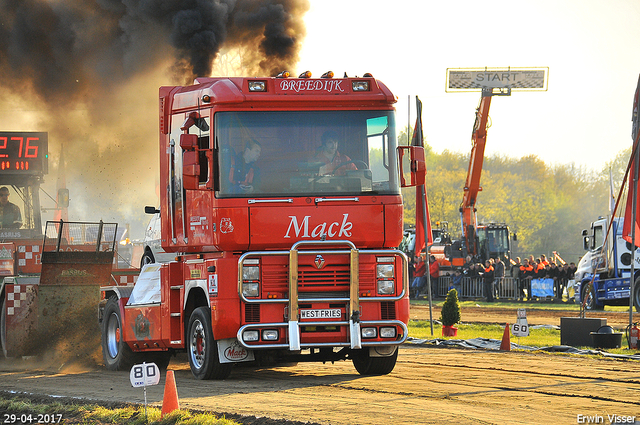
(599, 246)
(189, 169)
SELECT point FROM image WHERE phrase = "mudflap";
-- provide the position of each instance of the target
(231, 351)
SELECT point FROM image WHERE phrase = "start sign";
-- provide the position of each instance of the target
(526, 79)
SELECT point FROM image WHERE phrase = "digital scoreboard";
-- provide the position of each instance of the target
(24, 153)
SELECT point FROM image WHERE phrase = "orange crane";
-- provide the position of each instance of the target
(480, 241)
(485, 240)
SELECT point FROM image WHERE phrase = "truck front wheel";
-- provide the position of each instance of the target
(115, 352)
(203, 349)
(367, 365)
(589, 297)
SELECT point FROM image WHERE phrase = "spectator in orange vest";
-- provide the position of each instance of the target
(525, 275)
(488, 277)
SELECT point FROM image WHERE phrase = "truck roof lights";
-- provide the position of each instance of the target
(360, 85)
(306, 74)
(328, 74)
(206, 98)
(257, 86)
(283, 74)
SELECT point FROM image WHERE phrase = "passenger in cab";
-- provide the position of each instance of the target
(244, 174)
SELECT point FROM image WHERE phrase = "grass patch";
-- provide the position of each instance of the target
(539, 337)
(532, 305)
(97, 415)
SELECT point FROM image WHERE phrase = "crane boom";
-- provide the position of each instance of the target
(472, 184)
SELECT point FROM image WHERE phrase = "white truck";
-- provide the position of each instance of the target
(610, 261)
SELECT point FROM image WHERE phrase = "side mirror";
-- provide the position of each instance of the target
(188, 141)
(412, 163)
(190, 161)
(585, 243)
(151, 210)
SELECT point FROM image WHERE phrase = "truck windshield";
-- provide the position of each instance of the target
(310, 153)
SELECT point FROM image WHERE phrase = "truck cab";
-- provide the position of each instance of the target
(280, 201)
(603, 273)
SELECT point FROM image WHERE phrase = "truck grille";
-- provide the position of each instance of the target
(332, 278)
(388, 310)
(252, 313)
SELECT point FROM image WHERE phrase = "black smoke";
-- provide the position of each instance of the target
(88, 71)
(64, 49)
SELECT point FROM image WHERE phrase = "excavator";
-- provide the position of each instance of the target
(480, 241)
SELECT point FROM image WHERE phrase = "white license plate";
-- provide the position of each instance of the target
(325, 313)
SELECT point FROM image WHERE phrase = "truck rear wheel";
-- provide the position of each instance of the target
(367, 365)
(203, 349)
(115, 352)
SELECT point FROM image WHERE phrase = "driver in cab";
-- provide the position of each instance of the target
(10, 217)
(333, 160)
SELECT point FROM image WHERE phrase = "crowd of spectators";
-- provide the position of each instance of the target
(491, 275)
(527, 269)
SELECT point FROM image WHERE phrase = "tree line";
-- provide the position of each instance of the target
(546, 206)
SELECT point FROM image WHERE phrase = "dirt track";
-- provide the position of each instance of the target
(428, 385)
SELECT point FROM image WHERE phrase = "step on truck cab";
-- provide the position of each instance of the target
(280, 198)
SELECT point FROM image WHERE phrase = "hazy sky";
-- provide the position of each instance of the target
(592, 49)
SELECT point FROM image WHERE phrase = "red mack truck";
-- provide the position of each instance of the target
(280, 198)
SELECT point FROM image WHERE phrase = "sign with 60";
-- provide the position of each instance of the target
(521, 328)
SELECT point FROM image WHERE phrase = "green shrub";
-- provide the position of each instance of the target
(450, 314)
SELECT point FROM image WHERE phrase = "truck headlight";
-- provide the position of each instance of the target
(387, 332)
(385, 271)
(250, 336)
(385, 287)
(270, 335)
(257, 85)
(250, 273)
(360, 85)
(250, 289)
(368, 332)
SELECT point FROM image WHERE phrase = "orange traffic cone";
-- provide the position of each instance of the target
(170, 400)
(505, 345)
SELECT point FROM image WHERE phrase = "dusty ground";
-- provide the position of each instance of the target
(428, 385)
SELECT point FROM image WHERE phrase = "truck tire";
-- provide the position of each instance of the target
(116, 354)
(587, 291)
(147, 258)
(367, 365)
(202, 348)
